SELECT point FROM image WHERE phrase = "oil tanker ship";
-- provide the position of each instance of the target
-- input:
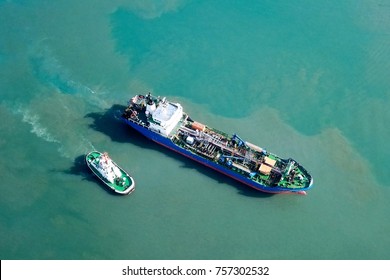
(167, 124)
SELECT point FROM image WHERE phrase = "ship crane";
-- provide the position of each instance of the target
(228, 161)
(241, 143)
(239, 140)
(224, 157)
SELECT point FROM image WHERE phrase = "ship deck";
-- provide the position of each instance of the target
(227, 152)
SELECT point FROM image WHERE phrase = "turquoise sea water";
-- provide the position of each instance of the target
(305, 79)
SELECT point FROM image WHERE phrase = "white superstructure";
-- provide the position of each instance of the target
(165, 117)
(107, 168)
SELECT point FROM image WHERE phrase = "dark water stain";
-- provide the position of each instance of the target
(50, 72)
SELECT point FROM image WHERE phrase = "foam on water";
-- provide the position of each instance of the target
(58, 119)
(37, 127)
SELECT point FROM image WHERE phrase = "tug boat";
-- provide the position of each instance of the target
(167, 124)
(110, 173)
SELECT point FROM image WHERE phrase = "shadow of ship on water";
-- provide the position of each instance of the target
(109, 123)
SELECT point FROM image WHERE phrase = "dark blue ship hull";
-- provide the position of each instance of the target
(166, 142)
